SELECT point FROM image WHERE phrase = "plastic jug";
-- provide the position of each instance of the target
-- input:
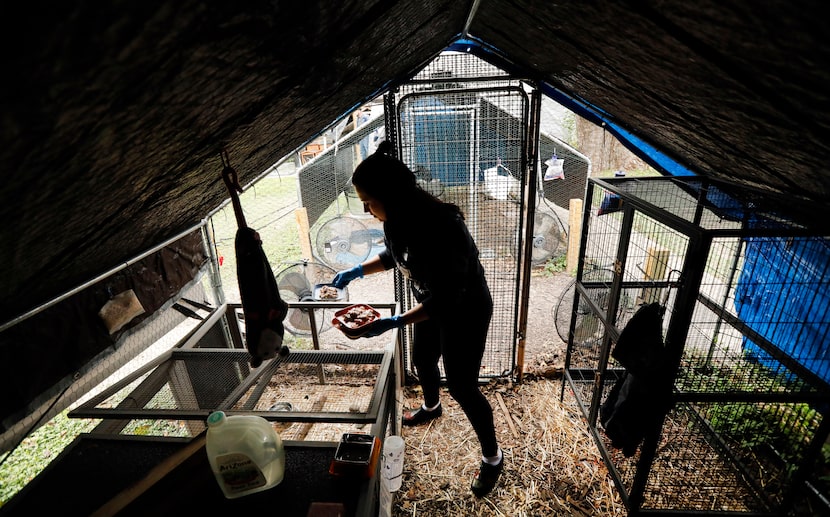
(245, 453)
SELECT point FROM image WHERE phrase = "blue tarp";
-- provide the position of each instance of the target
(442, 133)
(783, 294)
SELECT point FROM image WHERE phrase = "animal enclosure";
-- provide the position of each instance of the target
(465, 128)
(742, 287)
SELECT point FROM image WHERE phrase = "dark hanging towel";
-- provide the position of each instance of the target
(262, 306)
(642, 396)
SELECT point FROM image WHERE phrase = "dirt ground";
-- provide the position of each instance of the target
(544, 350)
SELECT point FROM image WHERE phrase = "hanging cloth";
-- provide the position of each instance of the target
(262, 305)
(639, 399)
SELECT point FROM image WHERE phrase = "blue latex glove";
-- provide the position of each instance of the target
(343, 278)
(382, 325)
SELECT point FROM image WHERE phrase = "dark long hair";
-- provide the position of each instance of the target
(390, 181)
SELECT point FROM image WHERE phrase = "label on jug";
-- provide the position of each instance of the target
(239, 473)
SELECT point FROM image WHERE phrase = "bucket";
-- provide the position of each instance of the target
(245, 453)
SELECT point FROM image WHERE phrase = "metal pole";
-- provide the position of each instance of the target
(530, 178)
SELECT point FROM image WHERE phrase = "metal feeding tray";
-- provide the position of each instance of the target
(355, 449)
(356, 454)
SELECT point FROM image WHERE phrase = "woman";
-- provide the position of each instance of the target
(428, 241)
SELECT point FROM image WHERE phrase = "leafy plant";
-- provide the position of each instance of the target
(554, 265)
(782, 429)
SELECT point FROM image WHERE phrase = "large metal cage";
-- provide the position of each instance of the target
(745, 290)
(466, 128)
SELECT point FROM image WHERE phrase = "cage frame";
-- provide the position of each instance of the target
(528, 124)
(688, 294)
(381, 413)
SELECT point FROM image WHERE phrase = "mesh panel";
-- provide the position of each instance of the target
(269, 207)
(312, 395)
(153, 337)
(462, 130)
(325, 182)
(467, 147)
(745, 292)
(454, 70)
(691, 472)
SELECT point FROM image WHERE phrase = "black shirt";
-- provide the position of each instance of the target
(436, 251)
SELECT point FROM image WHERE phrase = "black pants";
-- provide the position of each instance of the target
(460, 339)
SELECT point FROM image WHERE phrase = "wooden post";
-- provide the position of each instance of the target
(657, 260)
(304, 233)
(574, 234)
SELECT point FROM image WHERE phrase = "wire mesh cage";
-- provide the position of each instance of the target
(461, 126)
(743, 287)
(312, 395)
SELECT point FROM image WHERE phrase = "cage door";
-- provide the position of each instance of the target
(466, 147)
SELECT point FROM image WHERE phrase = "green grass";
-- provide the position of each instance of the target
(269, 208)
(553, 266)
(37, 450)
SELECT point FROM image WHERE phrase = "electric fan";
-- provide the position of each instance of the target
(547, 238)
(587, 323)
(344, 242)
(295, 284)
(588, 329)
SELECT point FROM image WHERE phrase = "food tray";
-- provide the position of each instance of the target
(344, 319)
(355, 448)
(356, 455)
(318, 293)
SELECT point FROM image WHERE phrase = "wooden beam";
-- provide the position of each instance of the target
(131, 493)
(301, 215)
(574, 233)
(657, 260)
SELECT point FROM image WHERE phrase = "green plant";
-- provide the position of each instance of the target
(785, 430)
(554, 265)
(823, 468)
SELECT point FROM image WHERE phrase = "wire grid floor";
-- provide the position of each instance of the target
(333, 387)
(689, 473)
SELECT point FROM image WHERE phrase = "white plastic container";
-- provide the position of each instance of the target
(245, 453)
(392, 465)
